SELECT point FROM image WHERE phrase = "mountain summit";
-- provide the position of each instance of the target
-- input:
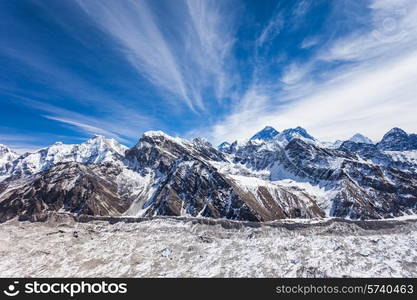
(266, 134)
(6, 157)
(97, 149)
(294, 133)
(398, 140)
(360, 138)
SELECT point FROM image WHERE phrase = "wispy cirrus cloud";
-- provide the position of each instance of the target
(183, 61)
(221, 69)
(309, 42)
(211, 36)
(271, 30)
(18, 143)
(359, 82)
(131, 23)
(113, 126)
(94, 111)
(22, 143)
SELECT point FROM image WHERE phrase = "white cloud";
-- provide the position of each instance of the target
(309, 42)
(211, 40)
(122, 127)
(109, 111)
(182, 60)
(394, 29)
(270, 31)
(375, 91)
(84, 127)
(18, 143)
(131, 24)
(294, 73)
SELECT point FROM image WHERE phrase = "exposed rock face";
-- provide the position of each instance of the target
(70, 187)
(257, 180)
(364, 190)
(188, 183)
(224, 147)
(398, 140)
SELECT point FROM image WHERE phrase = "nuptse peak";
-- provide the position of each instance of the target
(273, 175)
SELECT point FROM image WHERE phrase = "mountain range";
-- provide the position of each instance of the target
(273, 175)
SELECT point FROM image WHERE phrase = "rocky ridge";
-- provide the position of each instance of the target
(273, 176)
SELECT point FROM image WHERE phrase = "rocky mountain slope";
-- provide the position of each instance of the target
(271, 176)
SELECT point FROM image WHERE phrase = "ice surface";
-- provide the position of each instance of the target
(173, 248)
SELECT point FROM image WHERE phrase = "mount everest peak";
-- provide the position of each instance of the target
(268, 133)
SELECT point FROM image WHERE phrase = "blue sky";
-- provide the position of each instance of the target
(218, 69)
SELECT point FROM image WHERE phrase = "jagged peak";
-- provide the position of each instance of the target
(98, 137)
(296, 129)
(200, 141)
(153, 133)
(7, 153)
(360, 138)
(289, 133)
(158, 135)
(396, 130)
(267, 133)
(161, 134)
(396, 139)
(224, 144)
(8, 149)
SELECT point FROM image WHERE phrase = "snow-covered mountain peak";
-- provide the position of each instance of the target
(101, 143)
(6, 150)
(225, 146)
(95, 139)
(266, 134)
(160, 135)
(396, 140)
(201, 142)
(360, 138)
(295, 133)
(6, 155)
(154, 133)
(93, 151)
